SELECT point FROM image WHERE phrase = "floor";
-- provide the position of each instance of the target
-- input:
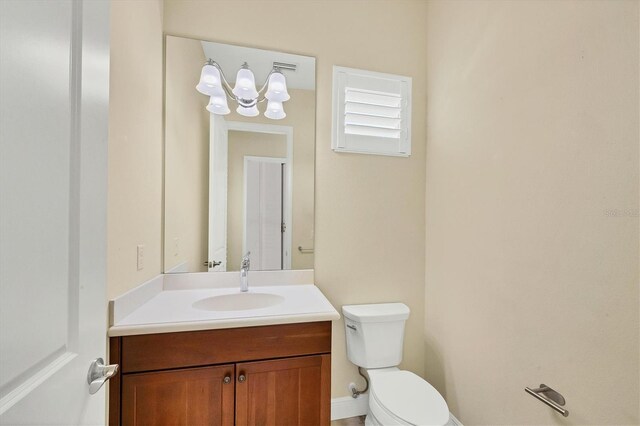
(351, 421)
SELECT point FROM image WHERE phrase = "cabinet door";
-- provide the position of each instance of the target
(195, 396)
(290, 391)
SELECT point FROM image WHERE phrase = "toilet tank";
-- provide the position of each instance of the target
(375, 333)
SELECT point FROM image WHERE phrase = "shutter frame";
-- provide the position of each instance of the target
(371, 113)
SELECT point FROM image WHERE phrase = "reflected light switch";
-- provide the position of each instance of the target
(140, 257)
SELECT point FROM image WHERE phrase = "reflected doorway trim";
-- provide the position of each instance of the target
(287, 131)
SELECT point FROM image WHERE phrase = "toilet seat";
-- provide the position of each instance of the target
(403, 398)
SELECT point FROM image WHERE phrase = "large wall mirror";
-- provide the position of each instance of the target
(236, 183)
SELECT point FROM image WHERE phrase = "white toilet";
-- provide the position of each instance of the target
(374, 342)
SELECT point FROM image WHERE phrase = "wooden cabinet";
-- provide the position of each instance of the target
(194, 396)
(271, 375)
(282, 392)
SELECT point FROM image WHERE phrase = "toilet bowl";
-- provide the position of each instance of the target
(399, 397)
(375, 334)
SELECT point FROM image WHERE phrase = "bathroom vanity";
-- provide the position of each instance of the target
(203, 362)
(275, 375)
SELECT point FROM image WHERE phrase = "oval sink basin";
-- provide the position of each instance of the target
(238, 302)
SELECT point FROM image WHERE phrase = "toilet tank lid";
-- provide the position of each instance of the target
(377, 312)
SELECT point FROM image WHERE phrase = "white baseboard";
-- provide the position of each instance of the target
(345, 407)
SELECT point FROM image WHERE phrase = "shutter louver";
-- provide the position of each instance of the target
(370, 113)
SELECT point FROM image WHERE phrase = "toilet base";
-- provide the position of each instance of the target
(371, 420)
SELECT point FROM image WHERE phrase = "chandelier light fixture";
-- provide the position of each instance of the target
(214, 84)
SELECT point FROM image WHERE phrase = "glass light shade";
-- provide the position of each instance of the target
(218, 105)
(275, 111)
(277, 89)
(209, 81)
(245, 85)
(248, 112)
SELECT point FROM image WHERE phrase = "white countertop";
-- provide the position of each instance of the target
(165, 304)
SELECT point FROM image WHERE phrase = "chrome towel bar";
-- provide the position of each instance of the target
(550, 397)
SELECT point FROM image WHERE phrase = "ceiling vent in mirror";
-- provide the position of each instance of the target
(371, 112)
(214, 84)
(285, 66)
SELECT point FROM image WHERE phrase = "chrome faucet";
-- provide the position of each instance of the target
(244, 272)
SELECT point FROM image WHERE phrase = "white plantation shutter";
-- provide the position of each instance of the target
(371, 112)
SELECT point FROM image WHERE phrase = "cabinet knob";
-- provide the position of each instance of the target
(226, 380)
(242, 378)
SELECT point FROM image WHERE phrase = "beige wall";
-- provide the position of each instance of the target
(186, 157)
(135, 143)
(532, 144)
(369, 237)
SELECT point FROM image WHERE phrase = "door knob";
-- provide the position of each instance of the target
(226, 380)
(99, 373)
(242, 378)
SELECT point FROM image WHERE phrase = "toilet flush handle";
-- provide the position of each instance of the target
(353, 327)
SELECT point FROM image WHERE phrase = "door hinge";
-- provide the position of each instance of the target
(283, 227)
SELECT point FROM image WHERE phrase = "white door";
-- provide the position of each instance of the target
(264, 225)
(54, 79)
(218, 153)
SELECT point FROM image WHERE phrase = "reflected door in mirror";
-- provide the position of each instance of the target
(265, 223)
